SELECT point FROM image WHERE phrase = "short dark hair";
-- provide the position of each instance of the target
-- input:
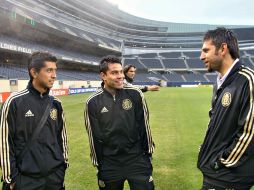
(108, 60)
(223, 35)
(37, 61)
(127, 68)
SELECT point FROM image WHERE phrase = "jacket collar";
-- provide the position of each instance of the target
(229, 78)
(31, 88)
(128, 79)
(118, 91)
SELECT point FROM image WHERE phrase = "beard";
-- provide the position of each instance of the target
(210, 70)
(46, 86)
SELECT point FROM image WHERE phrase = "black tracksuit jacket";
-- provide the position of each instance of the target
(227, 153)
(20, 115)
(118, 125)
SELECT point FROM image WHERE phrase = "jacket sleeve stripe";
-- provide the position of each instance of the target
(247, 135)
(4, 133)
(129, 85)
(89, 131)
(148, 130)
(64, 134)
(5, 164)
(65, 140)
(146, 117)
(91, 143)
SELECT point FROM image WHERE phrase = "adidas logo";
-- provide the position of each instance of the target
(29, 114)
(104, 110)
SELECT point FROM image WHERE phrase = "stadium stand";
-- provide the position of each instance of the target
(173, 77)
(174, 63)
(76, 75)
(170, 54)
(151, 63)
(20, 72)
(81, 32)
(134, 62)
(211, 77)
(195, 77)
(192, 54)
(13, 72)
(57, 51)
(148, 55)
(248, 62)
(249, 53)
(195, 63)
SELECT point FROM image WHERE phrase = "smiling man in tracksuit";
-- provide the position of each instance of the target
(29, 161)
(120, 139)
(226, 157)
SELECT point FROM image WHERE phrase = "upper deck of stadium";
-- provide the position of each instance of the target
(104, 24)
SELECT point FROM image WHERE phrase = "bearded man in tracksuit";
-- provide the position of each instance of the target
(29, 161)
(226, 157)
(121, 144)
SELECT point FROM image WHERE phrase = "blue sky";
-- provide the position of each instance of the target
(233, 12)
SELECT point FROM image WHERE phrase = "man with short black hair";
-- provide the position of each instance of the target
(116, 120)
(226, 157)
(33, 139)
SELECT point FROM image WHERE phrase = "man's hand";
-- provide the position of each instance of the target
(153, 88)
(12, 185)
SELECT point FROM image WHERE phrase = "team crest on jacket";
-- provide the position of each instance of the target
(226, 99)
(127, 104)
(53, 114)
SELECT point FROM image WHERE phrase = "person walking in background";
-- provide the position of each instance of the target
(129, 74)
(226, 157)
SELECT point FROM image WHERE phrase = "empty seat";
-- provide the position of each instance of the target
(134, 62)
(151, 63)
(174, 63)
(195, 63)
(171, 54)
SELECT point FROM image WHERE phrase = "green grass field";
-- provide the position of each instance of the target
(178, 118)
